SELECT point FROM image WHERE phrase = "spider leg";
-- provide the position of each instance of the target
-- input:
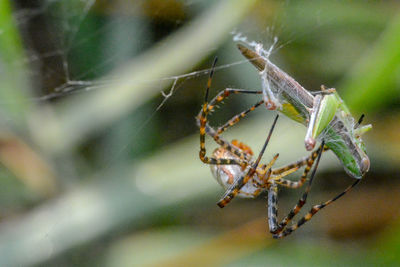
(226, 93)
(263, 174)
(210, 107)
(265, 171)
(312, 212)
(278, 228)
(273, 208)
(238, 184)
(235, 119)
(308, 161)
(285, 182)
(244, 158)
(282, 230)
(299, 163)
(286, 170)
(221, 96)
(215, 134)
(273, 190)
(204, 128)
(202, 119)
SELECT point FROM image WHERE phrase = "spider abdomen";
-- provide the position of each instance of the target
(226, 175)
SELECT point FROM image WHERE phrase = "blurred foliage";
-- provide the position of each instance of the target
(100, 163)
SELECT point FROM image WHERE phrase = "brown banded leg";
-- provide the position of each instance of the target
(226, 93)
(218, 99)
(264, 173)
(266, 178)
(203, 128)
(282, 230)
(285, 182)
(309, 161)
(238, 184)
(273, 207)
(273, 190)
(278, 228)
(221, 96)
(210, 107)
(312, 212)
(235, 119)
(215, 134)
(299, 163)
(244, 158)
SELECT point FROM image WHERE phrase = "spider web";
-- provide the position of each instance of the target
(63, 23)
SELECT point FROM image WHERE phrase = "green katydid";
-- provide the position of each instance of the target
(324, 114)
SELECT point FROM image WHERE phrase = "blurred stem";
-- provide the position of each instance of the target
(226, 248)
(125, 195)
(27, 165)
(372, 82)
(15, 106)
(78, 117)
(14, 82)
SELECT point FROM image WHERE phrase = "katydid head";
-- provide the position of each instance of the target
(324, 109)
(309, 143)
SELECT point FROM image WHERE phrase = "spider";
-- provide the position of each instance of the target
(239, 174)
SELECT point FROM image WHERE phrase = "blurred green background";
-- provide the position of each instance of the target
(99, 146)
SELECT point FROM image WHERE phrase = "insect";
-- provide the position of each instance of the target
(235, 170)
(324, 114)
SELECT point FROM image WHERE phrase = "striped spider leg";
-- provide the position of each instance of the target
(282, 229)
(264, 180)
